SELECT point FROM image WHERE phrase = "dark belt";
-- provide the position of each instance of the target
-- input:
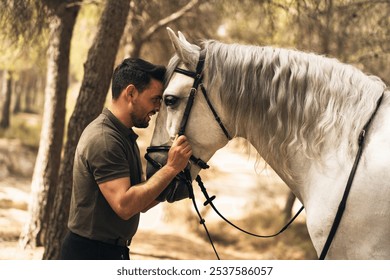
(117, 242)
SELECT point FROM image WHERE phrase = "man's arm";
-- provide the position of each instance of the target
(150, 206)
(127, 200)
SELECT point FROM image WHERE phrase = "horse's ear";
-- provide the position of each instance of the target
(187, 52)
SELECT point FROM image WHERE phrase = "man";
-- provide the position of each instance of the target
(108, 187)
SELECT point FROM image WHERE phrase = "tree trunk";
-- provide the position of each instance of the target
(43, 186)
(17, 97)
(90, 102)
(6, 106)
(28, 94)
(21, 89)
(327, 32)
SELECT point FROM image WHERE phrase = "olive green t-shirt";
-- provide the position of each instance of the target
(107, 150)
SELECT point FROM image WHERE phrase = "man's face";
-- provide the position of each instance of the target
(146, 104)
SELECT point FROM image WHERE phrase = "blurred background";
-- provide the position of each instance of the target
(56, 60)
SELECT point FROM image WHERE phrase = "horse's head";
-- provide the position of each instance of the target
(186, 110)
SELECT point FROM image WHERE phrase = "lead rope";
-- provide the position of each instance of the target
(209, 201)
(201, 220)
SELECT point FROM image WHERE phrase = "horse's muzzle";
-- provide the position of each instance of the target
(179, 187)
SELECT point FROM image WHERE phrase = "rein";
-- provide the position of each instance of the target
(343, 202)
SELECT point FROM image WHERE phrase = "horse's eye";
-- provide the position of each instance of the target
(170, 100)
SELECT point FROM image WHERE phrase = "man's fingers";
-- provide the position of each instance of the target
(182, 143)
(174, 143)
(180, 152)
(185, 145)
(187, 148)
(179, 140)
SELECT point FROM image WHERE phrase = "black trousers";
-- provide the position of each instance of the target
(76, 247)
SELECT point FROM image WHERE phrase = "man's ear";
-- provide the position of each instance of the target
(130, 90)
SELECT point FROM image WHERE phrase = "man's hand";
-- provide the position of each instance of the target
(179, 154)
(127, 200)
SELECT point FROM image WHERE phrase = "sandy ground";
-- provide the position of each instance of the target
(172, 231)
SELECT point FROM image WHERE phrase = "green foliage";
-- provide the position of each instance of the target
(26, 128)
(355, 32)
(26, 19)
(254, 22)
(18, 56)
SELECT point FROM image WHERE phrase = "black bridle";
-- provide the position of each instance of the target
(185, 175)
(198, 79)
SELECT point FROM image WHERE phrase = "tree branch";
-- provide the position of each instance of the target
(165, 21)
(80, 3)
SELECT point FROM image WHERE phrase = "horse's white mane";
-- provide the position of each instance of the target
(295, 100)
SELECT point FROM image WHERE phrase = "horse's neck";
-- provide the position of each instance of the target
(310, 176)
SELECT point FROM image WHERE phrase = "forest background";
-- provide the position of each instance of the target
(56, 61)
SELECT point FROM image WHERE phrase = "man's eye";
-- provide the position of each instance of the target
(156, 100)
(170, 100)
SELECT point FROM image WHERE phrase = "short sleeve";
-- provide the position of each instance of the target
(106, 158)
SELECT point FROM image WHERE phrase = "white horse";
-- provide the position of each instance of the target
(303, 113)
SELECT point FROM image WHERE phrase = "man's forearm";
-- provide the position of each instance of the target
(142, 197)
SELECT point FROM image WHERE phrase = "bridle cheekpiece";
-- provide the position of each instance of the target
(198, 79)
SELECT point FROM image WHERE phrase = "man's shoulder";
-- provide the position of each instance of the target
(100, 126)
(100, 134)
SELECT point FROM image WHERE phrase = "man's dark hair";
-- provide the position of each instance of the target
(135, 71)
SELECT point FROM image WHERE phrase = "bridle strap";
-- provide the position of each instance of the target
(216, 117)
(185, 72)
(153, 149)
(187, 111)
(343, 202)
(197, 80)
(198, 77)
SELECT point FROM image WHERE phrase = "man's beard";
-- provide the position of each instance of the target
(139, 123)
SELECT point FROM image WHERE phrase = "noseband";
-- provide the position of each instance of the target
(198, 79)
